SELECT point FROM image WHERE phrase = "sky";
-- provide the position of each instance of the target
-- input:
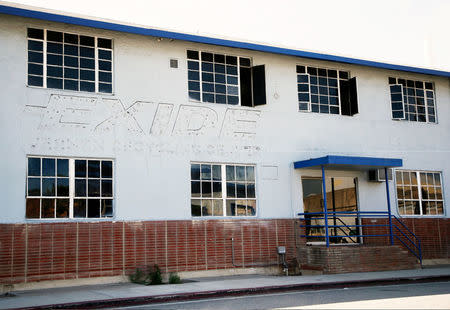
(404, 32)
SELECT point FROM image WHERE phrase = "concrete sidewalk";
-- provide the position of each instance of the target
(119, 294)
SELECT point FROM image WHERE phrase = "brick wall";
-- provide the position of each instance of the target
(57, 251)
(434, 234)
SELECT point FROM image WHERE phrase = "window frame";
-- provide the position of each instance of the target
(414, 79)
(96, 60)
(200, 81)
(72, 196)
(420, 198)
(309, 84)
(224, 197)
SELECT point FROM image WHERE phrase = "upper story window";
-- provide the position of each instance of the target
(326, 91)
(223, 190)
(225, 79)
(419, 192)
(69, 61)
(412, 100)
(69, 188)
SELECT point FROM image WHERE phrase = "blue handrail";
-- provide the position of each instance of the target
(416, 249)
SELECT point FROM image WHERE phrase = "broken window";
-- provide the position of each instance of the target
(225, 79)
(69, 61)
(326, 91)
(412, 100)
(222, 190)
(69, 188)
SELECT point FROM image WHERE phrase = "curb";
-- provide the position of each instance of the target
(142, 300)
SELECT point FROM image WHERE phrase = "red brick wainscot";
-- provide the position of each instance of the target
(63, 251)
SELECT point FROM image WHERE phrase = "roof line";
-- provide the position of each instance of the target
(10, 10)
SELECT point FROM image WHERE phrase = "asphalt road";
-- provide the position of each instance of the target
(434, 295)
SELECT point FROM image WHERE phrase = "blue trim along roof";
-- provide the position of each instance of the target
(207, 40)
(349, 162)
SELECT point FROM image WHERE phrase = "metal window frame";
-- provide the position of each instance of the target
(71, 196)
(224, 197)
(79, 80)
(403, 102)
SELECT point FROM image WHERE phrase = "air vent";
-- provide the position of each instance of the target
(174, 63)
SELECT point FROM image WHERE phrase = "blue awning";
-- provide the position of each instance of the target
(335, 162)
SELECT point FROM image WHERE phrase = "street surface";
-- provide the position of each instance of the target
(407, 296)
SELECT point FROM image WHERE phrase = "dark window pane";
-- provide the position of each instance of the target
(193, 65)
(206, 172)
(35, 57)
(219, 68)
(195, 188)
(233, 99)
(70, 50)
(93, 188)
(104, 65)
(54, 48)
(240, 173)
(232, 80)
(410, 83)
(33, 208)
(193, 75)
(216, 173)
(54, 71)
(87, 86)
(192, 54)
(303, 87)
(207, 77)
(105, 77)
(194, 96)
(251, 190)
(80, 188)
(34, 187)
(195, 172)
(35, 80)
(428, 85)
(70, 61)
(34, 166)
(343, 75)
(71, 73)
(194, 86)
(230, 173)
(220, 78)
(332, 73)
(232, 70)
(87, 63)
(54, 36)
(80, 168)
(35, 33)
(314, 108)
(206, 189)
(48, 208)
(107, 169)
(302, 78)
(392, 80)
(35, 45)
(240, 190)
(250, 173)
(87, 52)
(334, 110)
(54, 60)
(217, 189)
(93, 208)
(62, 208)
(105, 88)
(207, 56)
(312, 71)
(244, 62)
(79, 208)
(48, 166)
(196, 207)
(220, 89)
(107, 208)
(303, 97)
(324, 109)
(208, 87)
(87, 75)
(231, 190)
(48, 187)
(208, 67)
(70, 38)
(63, 187)
(102, 54)
(107, 190)
(301, 69)
(88, 41)
(104, 43)
(219, 58)
(322, 72)
(231, 60)
(71, 84)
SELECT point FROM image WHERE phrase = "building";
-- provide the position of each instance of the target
(126, 146)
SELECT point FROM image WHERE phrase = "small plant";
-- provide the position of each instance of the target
(174, 278)
(154, 275)
(138, 276)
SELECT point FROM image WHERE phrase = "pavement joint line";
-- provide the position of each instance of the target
(152, 299)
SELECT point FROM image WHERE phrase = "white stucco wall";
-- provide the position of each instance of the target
(152, 131)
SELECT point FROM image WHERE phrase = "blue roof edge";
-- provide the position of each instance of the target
(9, 10)
(349, 160)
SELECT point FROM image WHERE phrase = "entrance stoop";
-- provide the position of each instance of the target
(358, 258)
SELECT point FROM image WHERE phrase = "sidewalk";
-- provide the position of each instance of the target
(109, 295)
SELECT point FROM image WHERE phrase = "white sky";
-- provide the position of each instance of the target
(407, 32)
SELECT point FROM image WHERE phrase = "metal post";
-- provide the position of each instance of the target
(325, 211)
(391, 236)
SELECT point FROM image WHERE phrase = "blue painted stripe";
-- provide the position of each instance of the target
(349, 161)
(207, 40)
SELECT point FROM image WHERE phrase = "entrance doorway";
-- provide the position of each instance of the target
(341, 197)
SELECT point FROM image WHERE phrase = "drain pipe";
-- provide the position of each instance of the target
(252, 264)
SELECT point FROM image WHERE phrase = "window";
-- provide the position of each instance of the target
(412, 100)
(69, 61)
(69, 188)
(419, 193)
(225, 79)
(326, 91)
(222, 190)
